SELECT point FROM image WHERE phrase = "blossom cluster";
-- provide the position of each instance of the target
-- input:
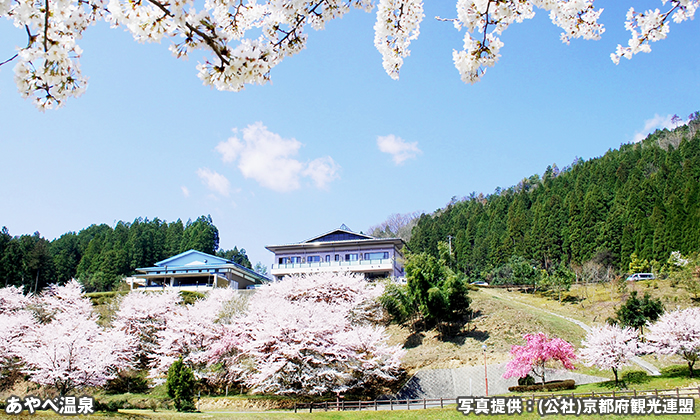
(652, 25)
(578, 19)
(246, 39)
(676, 332)
(54, 338)
(310, 334)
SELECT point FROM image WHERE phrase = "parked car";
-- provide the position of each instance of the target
(641, 276)
(479, 283)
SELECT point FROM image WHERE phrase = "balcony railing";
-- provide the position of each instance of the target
(322, 264)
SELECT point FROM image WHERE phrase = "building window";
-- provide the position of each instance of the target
(328, 258)
(296, 260)
(337, 257)
(376, 255)
(313, 258)
(351, 257)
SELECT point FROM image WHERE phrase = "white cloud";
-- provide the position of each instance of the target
(270, 160)
(214, 181)
(185, 191)
(398, 148)
(322, 171)
(658, 122)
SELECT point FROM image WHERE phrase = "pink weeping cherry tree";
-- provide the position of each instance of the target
(534, 356)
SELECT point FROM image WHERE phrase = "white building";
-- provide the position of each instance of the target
(340, 250)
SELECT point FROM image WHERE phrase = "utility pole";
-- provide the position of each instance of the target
(486, 376)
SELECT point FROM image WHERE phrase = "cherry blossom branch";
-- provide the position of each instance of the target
(209, 40)
(299, 22)
(9, 59)
(653, 26)
(46, 27)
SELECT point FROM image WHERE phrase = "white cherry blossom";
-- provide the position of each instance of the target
(246, 39)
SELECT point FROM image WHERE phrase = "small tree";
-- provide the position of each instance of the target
(559, 280)
(686, 271)
(609, 347)
(637, 312)
(677, 332)
(435, 292)
(180, 386)
(534, 356)
(638, 265)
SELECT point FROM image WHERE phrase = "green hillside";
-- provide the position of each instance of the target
(643, 198)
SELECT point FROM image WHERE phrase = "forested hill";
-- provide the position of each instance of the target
(99, 256)
(643, 198)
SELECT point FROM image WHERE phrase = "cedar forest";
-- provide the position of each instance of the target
(101, 255)
(635, 205)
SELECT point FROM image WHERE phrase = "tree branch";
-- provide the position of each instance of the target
(209, 40)
(46, 27)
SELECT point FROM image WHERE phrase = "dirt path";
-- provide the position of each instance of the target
(636, 360)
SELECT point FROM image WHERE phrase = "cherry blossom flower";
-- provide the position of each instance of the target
(610, 347)
(677, 332)
(245, 40)
(534, 356)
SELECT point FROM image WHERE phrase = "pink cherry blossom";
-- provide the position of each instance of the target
(534, 356)
(304, 335)
(677, 332)
(610, 347)
(67, 349)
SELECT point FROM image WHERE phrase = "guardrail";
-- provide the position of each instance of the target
(375, 404)
(425, 403)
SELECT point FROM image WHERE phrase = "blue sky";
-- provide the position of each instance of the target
(148, 140)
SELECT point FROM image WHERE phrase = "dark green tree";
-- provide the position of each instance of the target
(637, 312)
(180, 386)
(200, 235)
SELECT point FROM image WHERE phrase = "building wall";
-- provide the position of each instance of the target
(371, 260)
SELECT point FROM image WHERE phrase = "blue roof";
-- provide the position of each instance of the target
(196, 260)
(192, 257)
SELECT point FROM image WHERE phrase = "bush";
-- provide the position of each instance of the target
(188, 297)
(134, 382)
(111, 406)
(527, 380)
(549, 386)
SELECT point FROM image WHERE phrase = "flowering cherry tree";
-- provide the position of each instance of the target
(534, 356)
(677, 332)
(143, 316)
(306, 335)
(246, 39)
(191, 330)
(67, 349)
(610, 347)
(15, 320)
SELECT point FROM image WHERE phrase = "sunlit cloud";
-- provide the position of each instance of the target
(214, 181)
(270, 159)
(398, 148)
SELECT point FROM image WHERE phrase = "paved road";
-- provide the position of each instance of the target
(471, 380)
